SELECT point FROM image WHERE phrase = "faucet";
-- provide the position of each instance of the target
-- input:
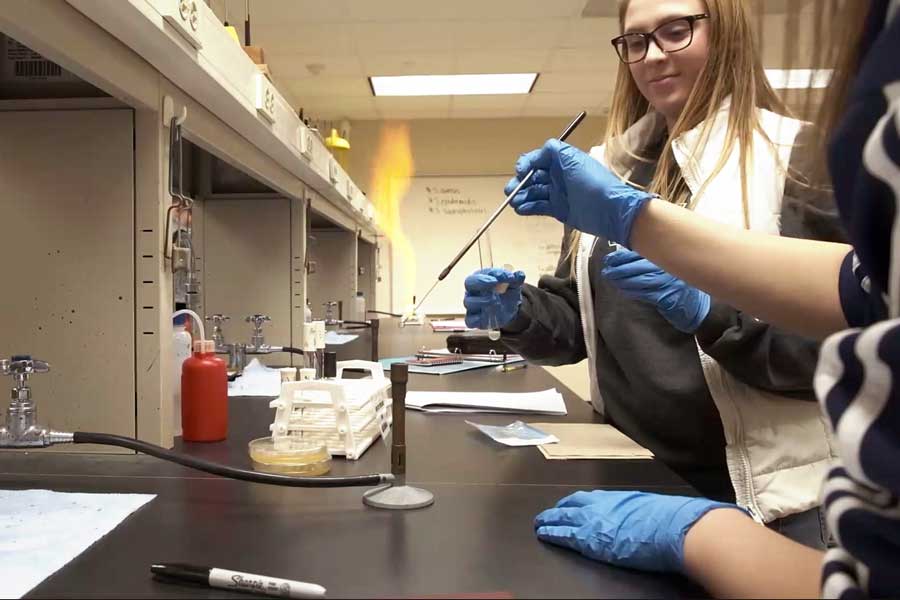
(258, 343)
(237, 353)
(330, 307)
(218, 336)
(22, 430)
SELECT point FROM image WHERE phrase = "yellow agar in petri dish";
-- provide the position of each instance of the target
(308, 458)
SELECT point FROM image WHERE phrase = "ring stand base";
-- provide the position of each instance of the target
(400, 497)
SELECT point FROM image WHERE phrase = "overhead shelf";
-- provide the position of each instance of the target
(187, 44)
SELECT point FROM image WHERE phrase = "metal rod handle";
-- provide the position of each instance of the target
(565, 134)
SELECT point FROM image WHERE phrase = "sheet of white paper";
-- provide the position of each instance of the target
(548, 402)
(333, 338)
(41, 531)
(257, 380)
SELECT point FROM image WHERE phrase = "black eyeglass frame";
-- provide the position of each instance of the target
(646, 37)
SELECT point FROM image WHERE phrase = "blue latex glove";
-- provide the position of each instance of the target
(627, 529)
(683, 306)
(482, 300)
(578, 191)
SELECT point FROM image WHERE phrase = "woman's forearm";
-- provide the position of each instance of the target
(732, 556)
(788, 282)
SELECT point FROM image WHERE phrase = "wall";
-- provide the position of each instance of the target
(466, 146)
(471, 147)
(458, 147)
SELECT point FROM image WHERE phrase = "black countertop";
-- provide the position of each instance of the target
(476, 538)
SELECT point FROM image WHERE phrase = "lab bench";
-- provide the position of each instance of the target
(476, 539)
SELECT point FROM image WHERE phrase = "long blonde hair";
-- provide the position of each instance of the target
(733, 69)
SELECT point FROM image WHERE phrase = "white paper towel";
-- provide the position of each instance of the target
(41, 531)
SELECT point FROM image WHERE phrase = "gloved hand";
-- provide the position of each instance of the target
(578, 191)
(683, 306)
(627, 529)
(482, 300)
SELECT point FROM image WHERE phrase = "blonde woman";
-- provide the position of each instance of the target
(723, 399)
(815, 287)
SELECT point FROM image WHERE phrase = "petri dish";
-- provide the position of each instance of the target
(299, 457)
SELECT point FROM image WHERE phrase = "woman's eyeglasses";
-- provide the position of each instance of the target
(671, 36)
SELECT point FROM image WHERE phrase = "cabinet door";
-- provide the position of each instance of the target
(66, 237)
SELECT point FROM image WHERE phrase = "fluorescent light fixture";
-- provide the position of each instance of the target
(796, 79)
(453, 85)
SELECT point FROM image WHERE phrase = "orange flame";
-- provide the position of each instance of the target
(391, 172)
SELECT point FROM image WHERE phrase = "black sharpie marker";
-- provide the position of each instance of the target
(237, 582)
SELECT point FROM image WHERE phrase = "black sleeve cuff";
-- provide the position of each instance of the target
(520, 323)
(721, 317)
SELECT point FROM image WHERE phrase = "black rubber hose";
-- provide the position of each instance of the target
(107, 439)
(291, 350)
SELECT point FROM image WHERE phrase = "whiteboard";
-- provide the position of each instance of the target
(437, 215)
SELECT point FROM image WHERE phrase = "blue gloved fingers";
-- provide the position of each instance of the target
(583, 498)
(509, 187)
(513, 279)
(518, 279)
(486, 280)
(622, 256)
(540, 158)
(566, 537)
(568, 517)
(541, 177)
(531, 193)
(532, 209)
(641, 268)
(525, 161)
(482, 281)
(474, 319)
(479, 303)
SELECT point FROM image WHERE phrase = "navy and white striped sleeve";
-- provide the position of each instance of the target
(861, 303)
(858, 378)
(858, 385)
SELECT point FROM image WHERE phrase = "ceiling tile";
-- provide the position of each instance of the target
(574, 82)
(412, 103)
(284, 12)
(394, 38)
(317, 106)
(335, 40)
(298, 66)
(434, 10)
(589, 33)
(532, 34)
(579, 60)
(484, 107)
(409, 114)
(400, 107)
(327, 86)
(501, 61)
(407, 64)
